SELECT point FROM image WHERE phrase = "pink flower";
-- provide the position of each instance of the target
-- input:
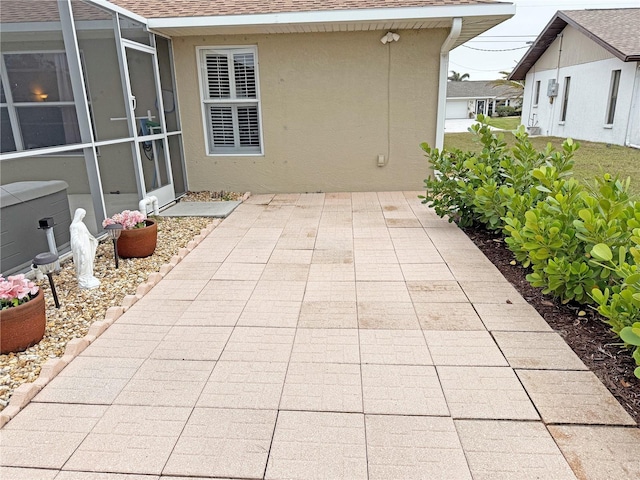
(15, 290)
(128, 219)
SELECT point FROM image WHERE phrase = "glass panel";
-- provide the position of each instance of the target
(48, 126)
(169, 100)
(134, 31)
(118, 177)
(245, 75)
(218, 76)
(96, 39)
(143, 88)
(39, 77)
(7, 143)
(2, 97)
(221, 125)
(177, 165)
(248, 130)
(154, 164)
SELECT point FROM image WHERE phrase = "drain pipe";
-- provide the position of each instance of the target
(151, 200)
(456, 28)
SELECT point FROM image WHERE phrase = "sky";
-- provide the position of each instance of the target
(500, 48)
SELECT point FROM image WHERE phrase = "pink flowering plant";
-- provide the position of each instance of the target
(16, 290)
(129, 219)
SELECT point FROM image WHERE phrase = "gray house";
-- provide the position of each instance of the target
(467, 99)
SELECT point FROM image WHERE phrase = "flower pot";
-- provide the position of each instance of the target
(138, 242)
(22, 326)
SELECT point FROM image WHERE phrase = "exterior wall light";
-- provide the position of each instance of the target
(46, 263)
(390, 37)
(114, 230)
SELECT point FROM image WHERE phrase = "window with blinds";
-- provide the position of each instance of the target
(231, 100)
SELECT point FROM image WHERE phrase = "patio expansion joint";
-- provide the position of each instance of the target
(77, 345)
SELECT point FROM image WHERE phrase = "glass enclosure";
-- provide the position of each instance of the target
(92, 109)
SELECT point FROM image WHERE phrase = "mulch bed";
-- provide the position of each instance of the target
(588, 336)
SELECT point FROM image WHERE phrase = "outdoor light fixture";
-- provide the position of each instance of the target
(390, 37)
(46, 263)
(114, 230)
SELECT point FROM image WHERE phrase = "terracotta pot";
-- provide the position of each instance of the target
(138, 242)
(23, 326)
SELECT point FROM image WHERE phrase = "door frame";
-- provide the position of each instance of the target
(166, 193)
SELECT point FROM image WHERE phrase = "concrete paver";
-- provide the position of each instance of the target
(537, 350)
(330, 387)
(316, 445)
(485, 392)
(463, 347)
(572, 397)
(339, 335)
(501, 450)
(223, 442)
(600, 452)
(414, 448)
(402, 390)
(448, 316)
(394, 347)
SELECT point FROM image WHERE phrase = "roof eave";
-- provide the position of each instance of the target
(549, 34)
(501, 12)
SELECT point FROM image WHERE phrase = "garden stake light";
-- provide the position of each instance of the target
(46, 263)
(114, 230)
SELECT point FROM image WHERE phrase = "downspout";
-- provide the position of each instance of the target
(456, 28)
(635, 94)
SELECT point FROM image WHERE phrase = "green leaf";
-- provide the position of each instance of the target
(602, 252)
(628, 336)
(636, 372)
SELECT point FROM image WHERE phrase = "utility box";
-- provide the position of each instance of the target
(552, 88)
(23, 205)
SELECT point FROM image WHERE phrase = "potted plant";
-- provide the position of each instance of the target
(22, 314)
(139, 233)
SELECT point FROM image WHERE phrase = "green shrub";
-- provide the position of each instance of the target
(566, 232)
(506, 111)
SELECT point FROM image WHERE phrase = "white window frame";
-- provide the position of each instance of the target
(536, 93)
(565, 100)
(612, 99)
(12, 106)
(201, 52)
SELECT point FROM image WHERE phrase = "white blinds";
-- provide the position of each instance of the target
(230, 94)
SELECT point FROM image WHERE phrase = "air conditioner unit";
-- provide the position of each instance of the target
(552, 88)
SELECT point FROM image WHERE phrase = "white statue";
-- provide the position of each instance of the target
(83, 247)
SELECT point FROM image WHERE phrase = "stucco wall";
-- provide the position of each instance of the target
(331, 103)
(588, 101)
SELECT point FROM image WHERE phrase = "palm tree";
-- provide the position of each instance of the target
(458, 77)
(516, 85)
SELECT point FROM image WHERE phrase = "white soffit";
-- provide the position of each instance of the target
(476, 19)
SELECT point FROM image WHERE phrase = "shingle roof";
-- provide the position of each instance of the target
(480, 89)
(200, 8)
(616, 30)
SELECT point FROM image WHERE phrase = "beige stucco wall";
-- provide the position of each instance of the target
(331, 103)
(577, 49)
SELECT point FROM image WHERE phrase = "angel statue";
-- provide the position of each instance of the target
(83, 247)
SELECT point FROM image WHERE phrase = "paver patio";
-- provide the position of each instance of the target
(346, 335)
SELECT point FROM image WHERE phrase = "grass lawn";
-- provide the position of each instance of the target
(590, 159)
(504, 123)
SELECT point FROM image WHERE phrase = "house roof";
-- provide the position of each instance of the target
(211, 17)
(480, 89)
(616, 30)
(203, 8)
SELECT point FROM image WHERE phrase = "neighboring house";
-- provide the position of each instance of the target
(583, 77)
(470, 98)
(132, 98)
